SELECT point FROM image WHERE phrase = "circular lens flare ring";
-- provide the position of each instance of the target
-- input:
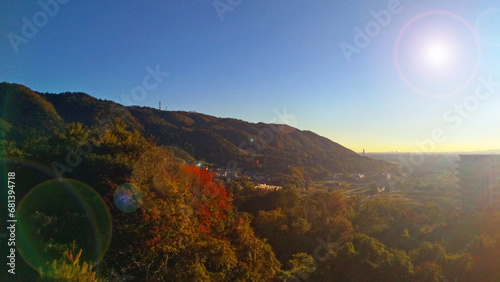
(45, 225)
(437, 53)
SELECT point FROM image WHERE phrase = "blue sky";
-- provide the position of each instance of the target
(257, 59)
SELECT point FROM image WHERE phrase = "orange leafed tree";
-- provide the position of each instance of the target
(210, 199)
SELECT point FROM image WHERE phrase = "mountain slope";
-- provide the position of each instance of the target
(224, 142)
(27, 112)
(253, 145)
(83, 108)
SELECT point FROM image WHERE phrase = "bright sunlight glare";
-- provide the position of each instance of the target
(437, 54)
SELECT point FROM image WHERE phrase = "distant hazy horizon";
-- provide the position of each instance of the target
(486, 152)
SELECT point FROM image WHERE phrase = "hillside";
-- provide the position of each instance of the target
(274, 147)
(268, 148)
(25, 114)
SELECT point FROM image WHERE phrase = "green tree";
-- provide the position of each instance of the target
(300, 266)
(359, 257)
(429, 271)
(271, 224)
(428, 251)
(69, 268)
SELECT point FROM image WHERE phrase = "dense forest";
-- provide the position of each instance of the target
(103, 200)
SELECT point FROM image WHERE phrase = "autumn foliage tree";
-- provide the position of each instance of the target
(186, 228)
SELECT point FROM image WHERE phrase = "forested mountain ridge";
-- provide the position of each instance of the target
(29, 113)
(270, 148)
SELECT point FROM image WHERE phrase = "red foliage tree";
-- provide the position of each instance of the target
(210, 199)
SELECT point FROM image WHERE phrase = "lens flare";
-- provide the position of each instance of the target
(128, 197)
(54, 214)
(437, 54)
(149, 173)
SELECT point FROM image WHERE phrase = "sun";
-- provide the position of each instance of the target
(437, 54)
